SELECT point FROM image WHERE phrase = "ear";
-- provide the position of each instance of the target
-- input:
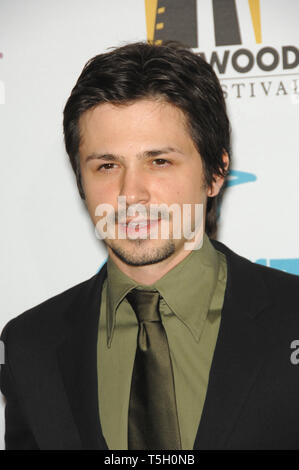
(218, 180)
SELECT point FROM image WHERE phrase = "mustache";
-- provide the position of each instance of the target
(121, 217)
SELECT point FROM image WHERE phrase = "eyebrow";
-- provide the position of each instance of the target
(140, 156)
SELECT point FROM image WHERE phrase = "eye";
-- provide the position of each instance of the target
(161, 160)
(105, 165)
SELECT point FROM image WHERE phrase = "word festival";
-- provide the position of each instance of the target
(249, 88)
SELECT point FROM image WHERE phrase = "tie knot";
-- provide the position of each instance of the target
(145, 305)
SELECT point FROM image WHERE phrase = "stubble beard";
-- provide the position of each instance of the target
(140, 254)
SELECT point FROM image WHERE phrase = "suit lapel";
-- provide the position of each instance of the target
(77, 358)
(239, 353)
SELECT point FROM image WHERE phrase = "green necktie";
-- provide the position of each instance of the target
(153, 420)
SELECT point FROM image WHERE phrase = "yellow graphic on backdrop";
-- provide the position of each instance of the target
(154, 19)
(150, 14)
(255, 12)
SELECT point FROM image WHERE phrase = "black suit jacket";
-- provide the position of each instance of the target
(252, 402)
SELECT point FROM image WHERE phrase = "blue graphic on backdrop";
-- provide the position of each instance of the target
(289, 265)
(236, 177)
(239, 177)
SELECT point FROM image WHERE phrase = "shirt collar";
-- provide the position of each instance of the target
(187, 288)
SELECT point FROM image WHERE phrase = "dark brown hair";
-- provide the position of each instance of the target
(171, 72)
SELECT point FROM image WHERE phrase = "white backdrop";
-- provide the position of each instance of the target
(47, 241)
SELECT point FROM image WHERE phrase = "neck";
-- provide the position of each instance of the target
(150, 273)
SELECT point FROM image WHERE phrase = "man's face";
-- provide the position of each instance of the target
(142, 151)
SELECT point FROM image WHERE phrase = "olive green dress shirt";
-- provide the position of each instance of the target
(193, 294)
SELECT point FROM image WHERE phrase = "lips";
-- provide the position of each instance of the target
(138, 226)
(140, 222)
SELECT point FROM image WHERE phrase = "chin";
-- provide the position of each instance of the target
(142, 252)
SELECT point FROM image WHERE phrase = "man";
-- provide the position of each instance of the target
(170, 345)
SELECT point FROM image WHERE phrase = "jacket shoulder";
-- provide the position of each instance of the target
(282, 287)
(45, 320)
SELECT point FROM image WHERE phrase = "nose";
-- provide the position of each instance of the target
(135, 186)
